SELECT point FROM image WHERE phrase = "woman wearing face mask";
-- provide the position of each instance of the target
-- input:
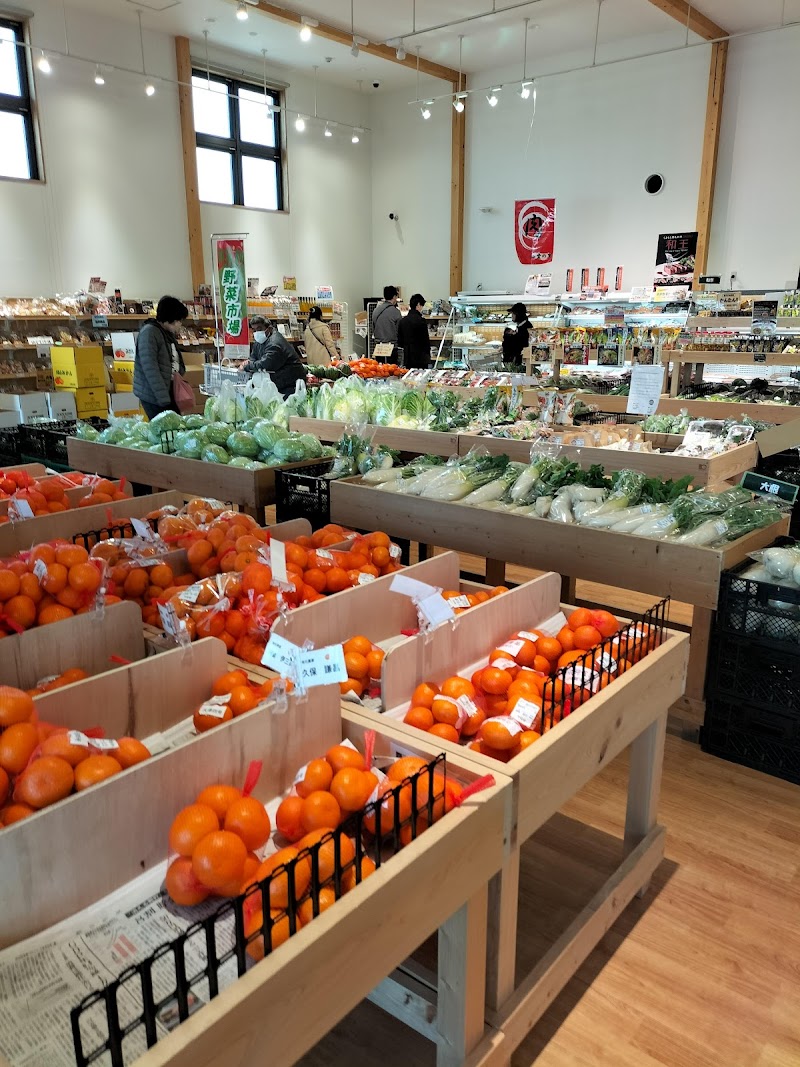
(158, 358)
(273, 355)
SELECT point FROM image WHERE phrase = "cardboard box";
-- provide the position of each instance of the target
(61, 405)
(125, 404)
(8, 419)
(123, 388)
(122, 372)
(78, 368)
(28, 406)
(90, 402)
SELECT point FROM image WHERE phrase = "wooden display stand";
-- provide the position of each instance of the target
(86, 641)
(698, 409)
(20, 536)
(631, 711)
(252, 490)
(73, 495)
(683, 572)
(419, 441)
(684, 367)
(115, 830)
(711, 471)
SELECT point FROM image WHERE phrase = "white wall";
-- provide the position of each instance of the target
(411, 177)
(597, 134)
(755, 230)
(113, 200)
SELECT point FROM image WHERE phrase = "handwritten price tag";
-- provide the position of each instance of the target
(322, 666)
(143, 529)
(281, 655)
(277, 559)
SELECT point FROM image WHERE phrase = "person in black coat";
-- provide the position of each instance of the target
(273, 355)
(413, 337)
(515, 341)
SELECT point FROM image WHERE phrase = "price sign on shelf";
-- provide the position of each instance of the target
(647, 383)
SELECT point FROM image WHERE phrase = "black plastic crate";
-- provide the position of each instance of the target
(761, 613)
(743, 670)
(10, 452)
(602, 418)
(757, 737)
(304, 494)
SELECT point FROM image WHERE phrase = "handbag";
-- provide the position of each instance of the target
(182, 394)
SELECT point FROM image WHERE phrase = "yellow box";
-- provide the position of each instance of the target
(90, 402)
(78, 368)
(122, 372)
(123, 389)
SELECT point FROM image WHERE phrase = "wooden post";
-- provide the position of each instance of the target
(708, 170)
(457, 198)
(184, 63)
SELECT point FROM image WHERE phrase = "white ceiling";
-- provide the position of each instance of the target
(558, 28)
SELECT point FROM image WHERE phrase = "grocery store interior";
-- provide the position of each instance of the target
(399, 533)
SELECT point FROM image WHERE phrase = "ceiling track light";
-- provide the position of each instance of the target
(299, 123)
(460, 102)
(525, 90)
(43, 64)
(328, 130)
(242, 13)
(307, 24)
(355, 138)
(425, 110)
(492, 97)
(149, 89)
(401, 52)
(98, 76)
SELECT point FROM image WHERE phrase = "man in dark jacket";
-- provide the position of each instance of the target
(158, 358)
(386, 317)
(515, 341)
(273, 355)
(413, 337)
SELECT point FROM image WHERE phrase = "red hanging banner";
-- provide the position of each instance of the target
(534, 230)
(233, 298)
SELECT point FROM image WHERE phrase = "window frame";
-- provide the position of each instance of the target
(237, 148)
(23, 104)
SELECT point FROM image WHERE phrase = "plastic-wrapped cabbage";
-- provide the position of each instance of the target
(189, 444)
(210, 409)
(113, 435)
(289, 450)
(140, 431)
(156, 448)
(217, 433)
(352, 404)
(86, 432)
(245, 463)
(166, 420)
(231, 405)
(249, 424)
(311, 446)
(241, 443)
(194, 422)
(275, 412)
(214, 454)
(267, 435)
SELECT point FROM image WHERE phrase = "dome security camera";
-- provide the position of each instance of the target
(376, 85)
(394, 216)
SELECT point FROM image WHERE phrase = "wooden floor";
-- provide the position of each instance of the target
(704, 971)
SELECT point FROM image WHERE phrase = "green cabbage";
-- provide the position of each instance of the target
(113, 435)
(311, 446)
(189, 444)
(289, 451)
(241, 443)
(141, 432)
(86, 432)
(267, 435)
(166, 420)
(217, 433)
(155, 448)
(214, 454)
(194, 422)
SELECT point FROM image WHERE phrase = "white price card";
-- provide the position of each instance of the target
(322, 666)
(365, 579)
(104, 744)
(143, 529)
(277, 559)
(584, 677)
(526, 713)
(40, 569)
(411, 587)
(281, 655)
(459, 601)
(512, 648)
(466, 709)
(395, 551)
(75, 737)
(435, 610)
(216, 707)
(323, 553)
(19, 509)
(550, 627)
(647, 384)
(170, 621)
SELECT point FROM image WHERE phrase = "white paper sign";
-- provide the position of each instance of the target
(322, 666)
(435, 610)
(365, 579)
(411, 587)
(459, 601)
(526, 713)
(143, 529)
(281, 655)
(124, 345)
(647, 384)
(19, 509)
(170, 621)
(277, 558)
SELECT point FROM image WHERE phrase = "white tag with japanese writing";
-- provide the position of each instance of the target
(75, 737)
(526, 713)
(190, 594)
(40, 569)
(584, 677)
(277, 560)
(215, 707)
(411, 587)
(508, 722)
(106, 744)
(435, 610)
(459, 601)
(170, 621)
(321, 666)
(513, 648)
(395, 551)
(466, 708)
(526, 635)
(503, 664)
(365, 579)
(607, 662)
(281, 655)
(143, 529)
(323, 553)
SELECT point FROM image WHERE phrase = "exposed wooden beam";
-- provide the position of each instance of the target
(184, 63)
(708, 169)
(382, 51)
(457, 201)
(687, 13)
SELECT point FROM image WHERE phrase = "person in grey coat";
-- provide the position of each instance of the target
(273, 355)
(158, 358)
(386, 317)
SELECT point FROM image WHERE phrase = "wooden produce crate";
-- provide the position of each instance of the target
(66, 525)
(114, 831)
(712, 471)
(683, 572)
(86, 641)
(631, 711)
(419, 441)
(371, 609)
(36, 470)
(710, 409)
(252, 491)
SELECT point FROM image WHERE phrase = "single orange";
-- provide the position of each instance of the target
(357, 665)
(549, 647)
(423, 695)
(181, 885)
(47, 780)
(586, 637)
(247, 817)
(17, 744)
(444, 731)
(579, 617)
(495, 680)
(359, 644)
(455, 687)
(190, 826)
(422, 718)
(320, 811)
(289, 818)
(227, 682)
(218, 859)
(317, 775)
(219, 798)
(344, 756)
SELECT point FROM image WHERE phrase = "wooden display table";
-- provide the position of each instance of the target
(114, 831)
(683, 572)
(419, 441)
(252, 490)
(699, 409)
(687, 366)
(631, 711)
(712, 471)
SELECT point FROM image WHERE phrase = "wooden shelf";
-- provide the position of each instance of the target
(710, 409)
(737, 359)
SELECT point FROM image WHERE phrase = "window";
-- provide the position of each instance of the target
(18, 157)
(238, 142)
